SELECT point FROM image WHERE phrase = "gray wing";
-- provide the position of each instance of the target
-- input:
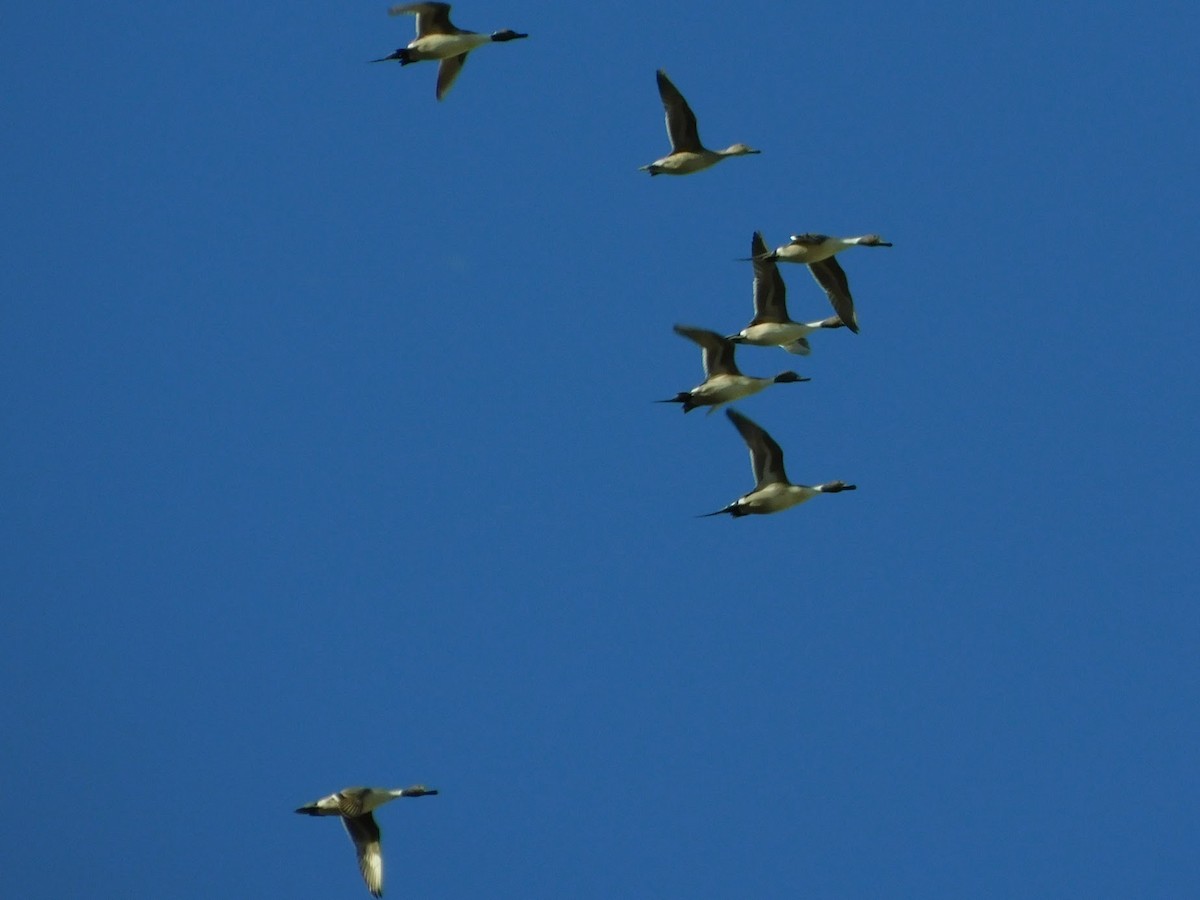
(718, 351)
(766, 456)
(448, 70)
(681, 121)
(365, 834)
(770, 293)
(432, 18)
(350, 801)
(832, 278)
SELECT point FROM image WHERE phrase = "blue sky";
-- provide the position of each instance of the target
(330, 456)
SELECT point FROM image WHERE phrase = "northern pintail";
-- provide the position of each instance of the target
(354, 805)
(816, 251)
(723, 383)
(438, 38)
(687, 153)
(772, 490)
(771, 326)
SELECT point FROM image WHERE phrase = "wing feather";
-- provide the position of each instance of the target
(766, 456)
(718, 350)
(832, 279)
(432, 18)
(365, 834)
(770, 293)
(681, 121)
(448, 71)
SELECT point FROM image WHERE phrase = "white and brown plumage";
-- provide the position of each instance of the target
(687, 153)
(817, 251)
(771, 325)
(355, 805)
(438, 38)
(723, 382)
(772, 490)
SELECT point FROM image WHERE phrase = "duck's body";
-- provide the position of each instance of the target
(811, 248)
(772, 491)
(687, 154)
(771, 325)
(791, 336)
(442, 46)
(817, 251)
(438, 38)
(355, 805)
(723, 382)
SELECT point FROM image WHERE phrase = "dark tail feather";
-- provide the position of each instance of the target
(401, 55)
(683, 397)
(728, 509)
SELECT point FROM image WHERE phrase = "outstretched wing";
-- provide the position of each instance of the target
(448, 70)
(718, 351)
(832, 278)
(365, 834)
(766, 456)
(770, 293)
(432, 18)
(681, 121)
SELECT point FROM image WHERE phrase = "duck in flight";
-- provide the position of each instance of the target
(438, 38)
(355, 806)
(816, 251)
(771, 326)
(687, 153)
(772, 490)
(723, 383)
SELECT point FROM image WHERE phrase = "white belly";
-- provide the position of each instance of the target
(806, 253)
(775, 497)
(440, 46)
(722, 389)
(774, 334)
(684, 163)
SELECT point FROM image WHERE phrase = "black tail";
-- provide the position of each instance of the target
(682, 397)
(401, 55)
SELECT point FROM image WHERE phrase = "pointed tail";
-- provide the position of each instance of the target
(683, 397)
(401, 55)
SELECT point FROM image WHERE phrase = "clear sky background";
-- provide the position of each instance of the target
(329, 455)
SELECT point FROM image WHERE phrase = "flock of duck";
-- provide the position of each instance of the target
(439, 39)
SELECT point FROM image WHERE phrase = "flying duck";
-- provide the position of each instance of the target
(354, 805)
(687, 153)
(816, 251)
(772, 490)
(438, 38)
(771, 326)
(723, 383)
